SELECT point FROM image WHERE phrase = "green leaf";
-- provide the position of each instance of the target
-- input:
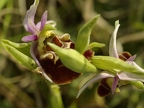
(16, 45)
(95, 44)
(22, 47)
(111, 63)
(20, 57)
(83, 37)
(73, 59)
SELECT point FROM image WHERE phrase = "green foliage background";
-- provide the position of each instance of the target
(20, 88)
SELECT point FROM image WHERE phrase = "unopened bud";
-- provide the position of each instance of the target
(73, 59)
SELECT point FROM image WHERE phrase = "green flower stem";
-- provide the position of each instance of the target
(56, 100)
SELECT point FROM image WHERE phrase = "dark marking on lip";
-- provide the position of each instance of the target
(58, 73)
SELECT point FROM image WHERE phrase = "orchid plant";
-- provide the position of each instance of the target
(110, 82)
(60, 60)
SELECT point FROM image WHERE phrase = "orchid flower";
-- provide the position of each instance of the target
(48, 62)
(110, 82)
(33, 28)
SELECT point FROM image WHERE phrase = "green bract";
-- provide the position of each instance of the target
(20, 51)
(83, 37)
(73, 59)
(111, 63)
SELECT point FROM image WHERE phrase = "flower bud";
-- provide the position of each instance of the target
(73, 59)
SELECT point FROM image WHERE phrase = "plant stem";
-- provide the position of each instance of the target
(56, 100)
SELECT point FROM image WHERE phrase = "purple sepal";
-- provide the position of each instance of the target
(29, 38)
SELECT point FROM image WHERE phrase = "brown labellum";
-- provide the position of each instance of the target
(51, 64)
(103, 88)
(124, 56)
(58, 73)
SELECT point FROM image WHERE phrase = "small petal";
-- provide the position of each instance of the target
(43, 20)
(29, 38)
(130, 76)
(115, 83)
(30, 16)
(138, 67)
(112, 46)
(94, 79)
(131, 58)
(51, 22)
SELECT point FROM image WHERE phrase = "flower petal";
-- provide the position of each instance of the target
(51, 22)
(130, 76)
(138, 67)
(94, 79)
(43, 20)
(29, 18)
(131, 58)
(112, 46)
(114, 85)
(32, 28)
(29, 38)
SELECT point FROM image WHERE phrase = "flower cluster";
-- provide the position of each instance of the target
(110, 82)
(60, 60)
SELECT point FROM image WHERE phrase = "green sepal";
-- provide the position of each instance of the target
(137, 84)
(95, 44)
(16, 50)
(83, 37)
(113, 64)
(73, 59)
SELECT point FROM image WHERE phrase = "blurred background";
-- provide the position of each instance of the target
(20, 88)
